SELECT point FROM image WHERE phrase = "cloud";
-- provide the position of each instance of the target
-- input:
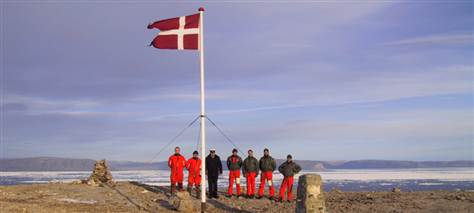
(39, 105)
(368, 136)
(316, 89)
(436, 39)
(372, 123)
(397, 127)
(13, 107)
(355, 133)
(371, 86)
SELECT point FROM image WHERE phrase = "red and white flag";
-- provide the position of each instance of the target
(181, 33)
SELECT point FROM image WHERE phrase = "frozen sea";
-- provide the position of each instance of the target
(346, 180)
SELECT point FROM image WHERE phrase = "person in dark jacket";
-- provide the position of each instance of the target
(267, 165)
(234, 163)
(250, 171)
(213, 170)
(288, 169)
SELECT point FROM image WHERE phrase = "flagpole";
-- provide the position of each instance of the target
(203, 112)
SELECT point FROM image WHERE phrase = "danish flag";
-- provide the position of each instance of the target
(181, 33)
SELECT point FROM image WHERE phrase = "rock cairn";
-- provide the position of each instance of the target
(100, 175)
(310, 196)
(182, 202)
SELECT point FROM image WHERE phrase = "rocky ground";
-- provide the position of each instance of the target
(136, 197)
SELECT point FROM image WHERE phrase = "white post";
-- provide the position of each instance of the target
(203, 112)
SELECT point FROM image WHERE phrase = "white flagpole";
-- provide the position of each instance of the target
(203, 112)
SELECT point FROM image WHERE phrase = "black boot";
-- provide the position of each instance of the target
(180, 187)
(173, 189)
(198, 191)
(189, 189)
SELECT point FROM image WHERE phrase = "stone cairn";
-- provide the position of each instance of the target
(396, 190)
(100, 175)
(182, 202)
(310, 196)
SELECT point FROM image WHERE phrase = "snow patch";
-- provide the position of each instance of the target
(70, 200)
(430, 184)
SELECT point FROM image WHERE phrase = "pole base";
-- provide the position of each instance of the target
(203, 207)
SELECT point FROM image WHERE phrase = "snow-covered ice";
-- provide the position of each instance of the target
(426, 177)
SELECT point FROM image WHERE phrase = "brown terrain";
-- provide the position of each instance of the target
(136, 197)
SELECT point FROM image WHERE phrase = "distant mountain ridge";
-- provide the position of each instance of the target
(71, 164)
(379, 164)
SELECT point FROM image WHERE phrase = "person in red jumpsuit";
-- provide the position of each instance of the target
(193, 165)
(288, 169)
(267, 165)
(250, 171)
(234, 164)
(176, 162)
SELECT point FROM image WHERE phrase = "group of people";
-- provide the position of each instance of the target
(250, 167)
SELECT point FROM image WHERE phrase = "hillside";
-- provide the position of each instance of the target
(71, 164)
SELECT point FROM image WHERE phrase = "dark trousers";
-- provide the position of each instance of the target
(212, 181)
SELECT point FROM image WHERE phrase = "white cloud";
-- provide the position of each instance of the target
(333, 87)
(389, 127)
(436, 39)
(193, 94)
(37, 104)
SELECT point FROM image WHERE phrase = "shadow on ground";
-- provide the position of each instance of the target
(166, 191)
(158, 190)
(129, 199)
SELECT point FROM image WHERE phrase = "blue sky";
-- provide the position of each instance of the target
(320, 80)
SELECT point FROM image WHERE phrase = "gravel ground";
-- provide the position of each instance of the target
(136, 197)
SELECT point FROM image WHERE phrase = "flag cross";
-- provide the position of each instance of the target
(180, 32)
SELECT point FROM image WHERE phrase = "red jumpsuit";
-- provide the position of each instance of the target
(287, 183)
(266, 176)
(288, 169)
(234, 175)
(234, 163)
(176, 163)
(194, 167)
(251, 183)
